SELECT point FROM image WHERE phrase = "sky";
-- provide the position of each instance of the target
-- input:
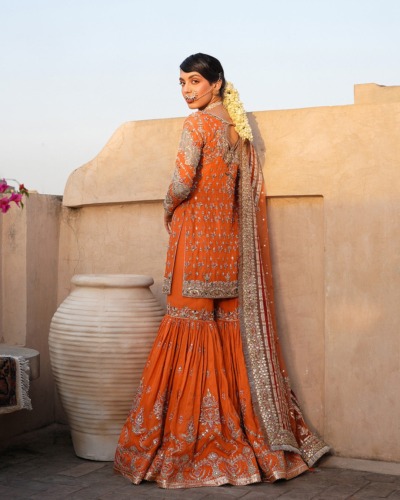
(73, 71)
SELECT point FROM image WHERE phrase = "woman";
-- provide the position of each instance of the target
(214, 405)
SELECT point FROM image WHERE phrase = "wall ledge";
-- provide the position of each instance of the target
(374, 466)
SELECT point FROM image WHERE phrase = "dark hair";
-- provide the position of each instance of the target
(208, 66)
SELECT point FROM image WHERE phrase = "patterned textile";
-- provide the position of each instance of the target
(14, 384)
(214, 405)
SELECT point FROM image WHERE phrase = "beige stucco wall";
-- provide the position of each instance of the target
(28, 298)
(333, 185)
(350, 155)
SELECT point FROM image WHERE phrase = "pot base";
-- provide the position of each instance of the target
(97, 447)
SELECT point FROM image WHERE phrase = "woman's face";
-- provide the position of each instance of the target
(196, 90)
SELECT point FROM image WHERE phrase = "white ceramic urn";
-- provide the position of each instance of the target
(100, 337)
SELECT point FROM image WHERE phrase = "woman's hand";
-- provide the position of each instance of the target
(167, 222)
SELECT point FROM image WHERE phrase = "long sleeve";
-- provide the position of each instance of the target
(187, 161)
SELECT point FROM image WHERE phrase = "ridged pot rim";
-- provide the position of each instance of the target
(112, 280)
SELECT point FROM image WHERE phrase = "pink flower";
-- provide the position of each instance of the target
(15, 195)
(4, 204)
(3, 186)
(16, 198)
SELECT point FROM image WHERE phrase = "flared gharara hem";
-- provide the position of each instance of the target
(220, 481)
(209, 365)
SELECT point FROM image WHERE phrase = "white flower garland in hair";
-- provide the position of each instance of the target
(234, 106)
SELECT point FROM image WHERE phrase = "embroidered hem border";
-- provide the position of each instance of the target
(192, 314)
(313, 449)
(166, 287)
(210, 290)
(202, 314)
(255, 478)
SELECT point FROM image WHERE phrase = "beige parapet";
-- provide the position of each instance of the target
(28, 298)
(134, 166)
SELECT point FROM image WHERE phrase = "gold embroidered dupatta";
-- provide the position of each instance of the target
(274, 403)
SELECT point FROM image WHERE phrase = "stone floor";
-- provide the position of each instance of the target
(43, 465)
